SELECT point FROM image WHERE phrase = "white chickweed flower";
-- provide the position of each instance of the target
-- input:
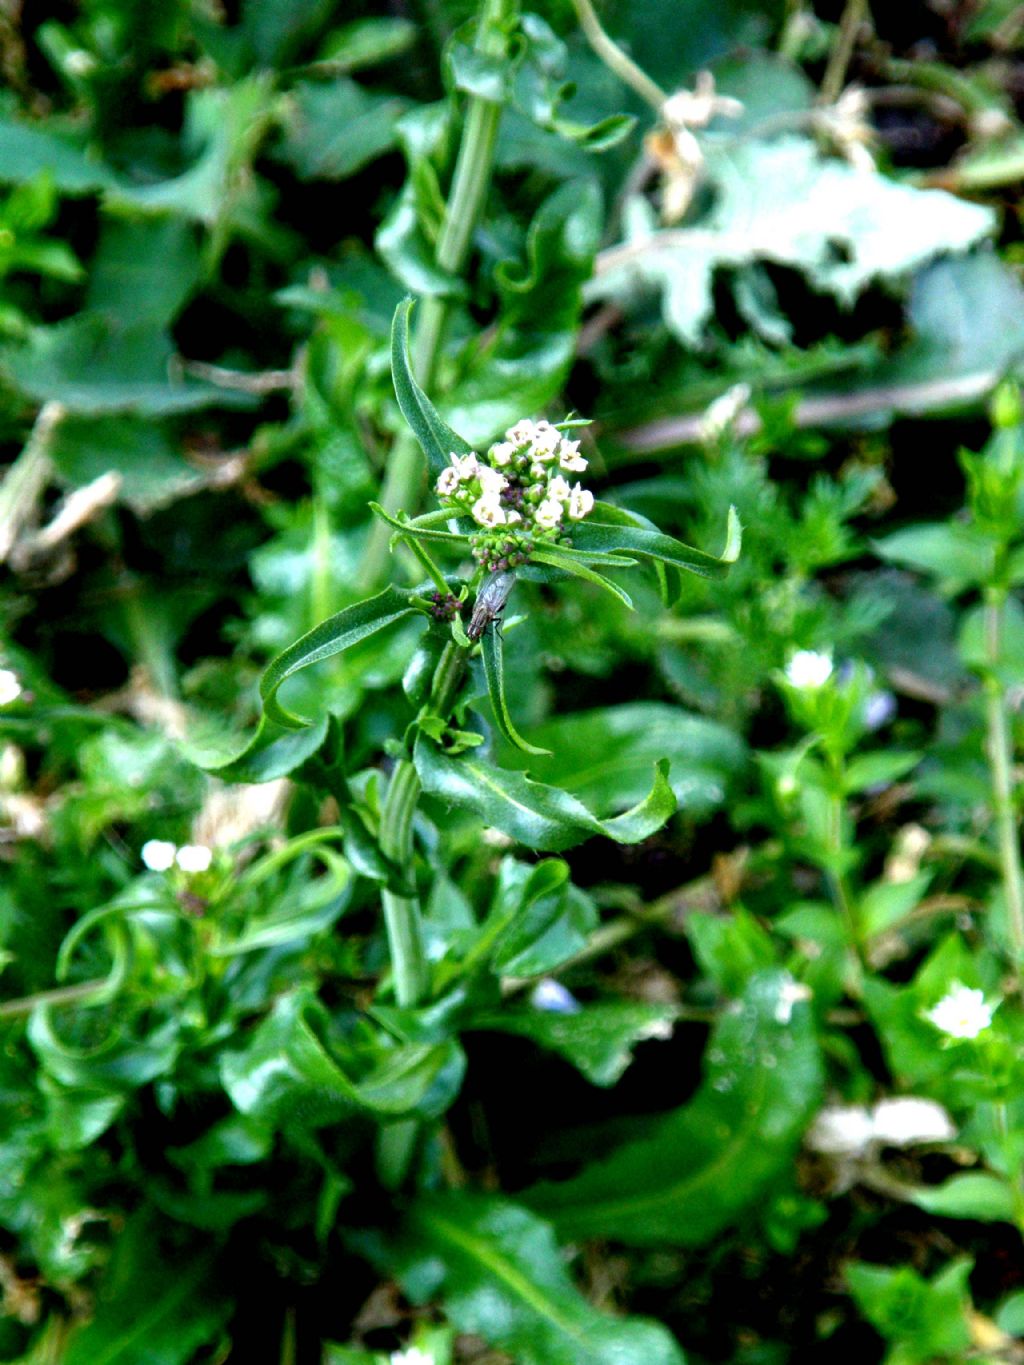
(488, 511)
(10, 687)
(548, 514)
(908, 1120)
(570, 459)
(559, 489)
(581, 502)
(448, 482)
(808, 669)
(194, 858)
(962, 1012)
(158, 854)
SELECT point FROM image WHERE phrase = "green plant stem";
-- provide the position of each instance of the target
(402, 919)
(60, 995)
(403, 480)
(615, 59)
(832, 83)
(837, 878)
(1000, 757)
(402, 913)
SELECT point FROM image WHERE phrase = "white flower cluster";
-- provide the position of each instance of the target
(962, 1012)
(853, 1129)
(519, 492)
(10, 687)
(160, 855)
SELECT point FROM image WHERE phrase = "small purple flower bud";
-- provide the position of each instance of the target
(879, 710)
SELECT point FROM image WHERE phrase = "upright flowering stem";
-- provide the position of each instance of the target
(1000, 757)
(402, 919)
(404, 478)
(402, 913)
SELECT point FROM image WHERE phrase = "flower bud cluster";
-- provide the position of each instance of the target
(518, 494)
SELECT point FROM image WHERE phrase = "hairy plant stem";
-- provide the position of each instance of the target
(1000, 757)
(403, 480)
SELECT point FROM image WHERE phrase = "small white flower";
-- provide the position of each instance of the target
(448, 482)
(546, 441)
(521, 434)
(808, 669)
(194, 858)
(158, 854)
(503, 452)
(79, 62)
(548, 514)
(554, 998)
(492, 481)
(581, 502)
(512, 516)
(559, 489)
(570, 459)
(413, 1356)
(488, 511)
(841, 1130)
(907, 1120)
(465, 466)
(962, 1012)
(10, 687)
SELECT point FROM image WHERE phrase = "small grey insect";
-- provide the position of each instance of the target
(490, 602)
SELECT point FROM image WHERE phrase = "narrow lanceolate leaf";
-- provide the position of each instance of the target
(579, 569)
(421, 528)
(331, 637)
(540, 816)
(272, 752)
(704, 1165)
(492, 649)
(504, 1279)
(435, 436)
(616, 530)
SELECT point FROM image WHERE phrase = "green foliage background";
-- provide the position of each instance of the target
(681, 912)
